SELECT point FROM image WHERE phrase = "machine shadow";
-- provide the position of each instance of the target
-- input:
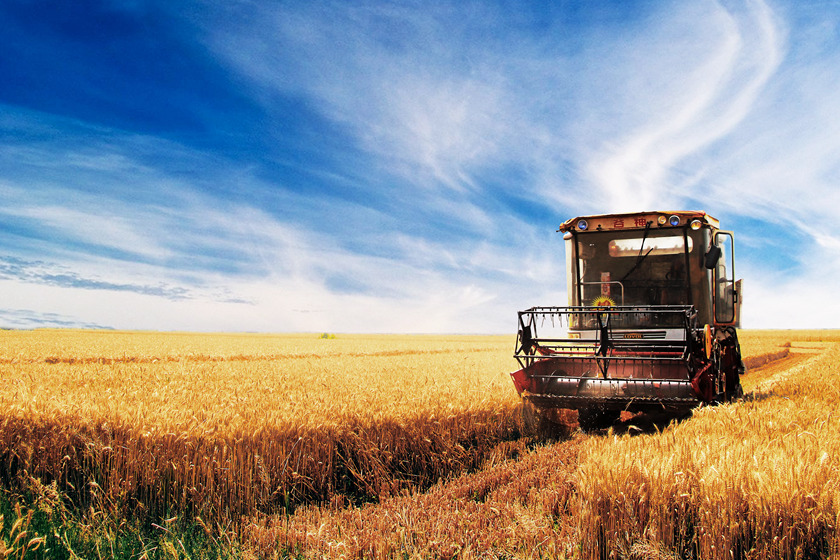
(645, 423)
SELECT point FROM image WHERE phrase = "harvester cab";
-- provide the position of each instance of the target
(650, 324)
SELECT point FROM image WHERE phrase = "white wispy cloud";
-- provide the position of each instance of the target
(144, 246)
(431, 104)
(443, 106)
(720, 71)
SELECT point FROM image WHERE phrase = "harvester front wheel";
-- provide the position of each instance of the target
(530, 418)
(538, 423)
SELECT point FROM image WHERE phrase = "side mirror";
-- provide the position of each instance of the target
(712, 257)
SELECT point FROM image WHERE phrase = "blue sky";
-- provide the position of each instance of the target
(400, 167)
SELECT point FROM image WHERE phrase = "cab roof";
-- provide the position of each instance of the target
(638, 220)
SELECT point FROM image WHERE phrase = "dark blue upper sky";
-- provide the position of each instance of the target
(399, 167)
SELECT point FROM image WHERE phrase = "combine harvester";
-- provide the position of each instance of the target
(650, 326)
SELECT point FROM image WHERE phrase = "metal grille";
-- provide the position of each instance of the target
(606, 335)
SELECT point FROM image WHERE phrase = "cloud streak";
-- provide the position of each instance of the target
(56, 275)
(31, 319)
(711, 97)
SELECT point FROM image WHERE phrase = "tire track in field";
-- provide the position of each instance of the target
(520, 501)
(766, 370)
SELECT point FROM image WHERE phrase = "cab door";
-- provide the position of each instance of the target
(726, 289)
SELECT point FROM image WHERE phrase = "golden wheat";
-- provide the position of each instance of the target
(228, 424)
(223, 426)
(632, 497)
(516, 508)
(756, 479)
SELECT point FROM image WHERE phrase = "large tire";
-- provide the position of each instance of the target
(732, 365)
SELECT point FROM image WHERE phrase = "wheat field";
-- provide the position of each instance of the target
(754, 479)
(225, 425)
(412, 446)
(757, 479)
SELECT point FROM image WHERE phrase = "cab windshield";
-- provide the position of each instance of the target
(633, 268)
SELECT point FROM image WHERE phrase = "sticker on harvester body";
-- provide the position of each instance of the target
(603, 301)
